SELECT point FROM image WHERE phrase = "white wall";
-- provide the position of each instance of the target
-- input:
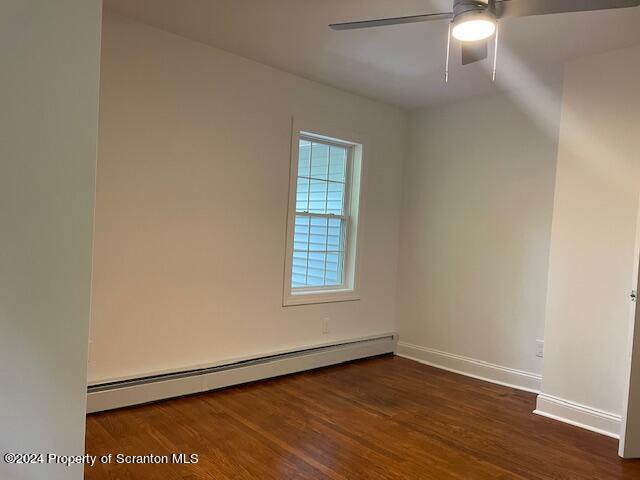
(193, 172)
(594, 231)
(49, 98)
(478, 196)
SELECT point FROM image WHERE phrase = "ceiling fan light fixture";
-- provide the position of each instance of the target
(473, 26)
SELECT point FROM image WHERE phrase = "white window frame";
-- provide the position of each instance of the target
(348, 291)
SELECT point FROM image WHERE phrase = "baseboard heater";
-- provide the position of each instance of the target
(108, 396)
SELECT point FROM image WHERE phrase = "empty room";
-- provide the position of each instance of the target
(319, 239)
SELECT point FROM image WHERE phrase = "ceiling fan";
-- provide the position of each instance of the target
(473, 22)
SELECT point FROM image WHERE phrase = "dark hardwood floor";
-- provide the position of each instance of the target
(383, 418)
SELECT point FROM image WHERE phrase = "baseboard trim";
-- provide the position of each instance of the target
(471, 367)
(109, 396)
(578, 415)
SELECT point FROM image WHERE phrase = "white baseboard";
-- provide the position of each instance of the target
(582, 416)
(134, 392)
(509, 377)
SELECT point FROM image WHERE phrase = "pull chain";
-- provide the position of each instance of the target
(446, 66)
(495, 51)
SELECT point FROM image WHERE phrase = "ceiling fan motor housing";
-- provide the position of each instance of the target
(464, 7)
(467, 9)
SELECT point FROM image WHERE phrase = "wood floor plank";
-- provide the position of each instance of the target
(385, 418)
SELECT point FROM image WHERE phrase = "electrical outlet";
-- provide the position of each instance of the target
(325, 325)
(90, 351)
(539, 348)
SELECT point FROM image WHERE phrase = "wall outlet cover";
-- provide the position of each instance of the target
(325, 326)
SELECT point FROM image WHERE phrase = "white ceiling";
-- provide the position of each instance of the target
(401, 65)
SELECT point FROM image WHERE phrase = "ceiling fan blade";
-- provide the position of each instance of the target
(524, 8)
(474, 51)
(383, 22)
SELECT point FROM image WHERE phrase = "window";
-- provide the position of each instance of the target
(323, 215)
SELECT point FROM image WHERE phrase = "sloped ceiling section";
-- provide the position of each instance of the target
(402, 65)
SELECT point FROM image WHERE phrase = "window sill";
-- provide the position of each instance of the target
(323, 296)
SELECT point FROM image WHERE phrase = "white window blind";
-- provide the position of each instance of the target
(321, 215)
